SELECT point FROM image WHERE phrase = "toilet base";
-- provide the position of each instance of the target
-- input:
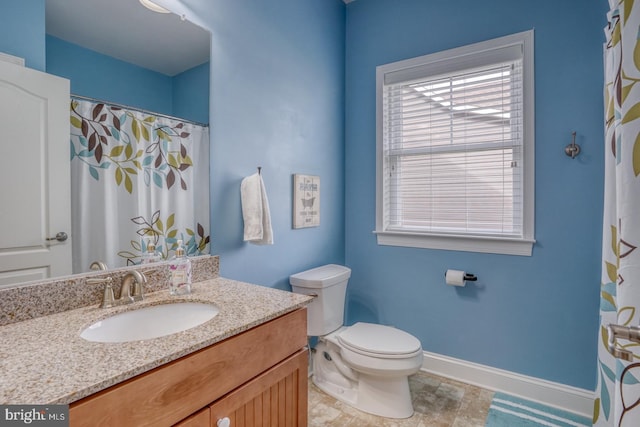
(386, 396)
(373, 397)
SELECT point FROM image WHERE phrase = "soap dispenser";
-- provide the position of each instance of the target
(180, 269)
(150, 255)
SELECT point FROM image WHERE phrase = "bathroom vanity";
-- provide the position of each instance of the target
(258, 377)
(247, 364)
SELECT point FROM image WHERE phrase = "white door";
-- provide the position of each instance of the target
(35, 187)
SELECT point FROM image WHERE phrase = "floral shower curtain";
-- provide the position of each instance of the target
(136, 178)
(618, 393)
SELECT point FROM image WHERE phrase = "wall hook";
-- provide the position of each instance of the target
(573, 149)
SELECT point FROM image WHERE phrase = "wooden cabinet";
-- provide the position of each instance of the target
(277, 398)
(201, 418)
(257, 375)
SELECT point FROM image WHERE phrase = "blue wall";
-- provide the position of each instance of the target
(103, 77)
(536, 315)
(190, 94)
(22, 31)
(279, 100)
(277, 71)
(22, 34)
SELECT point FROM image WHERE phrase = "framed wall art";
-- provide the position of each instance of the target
(306, 201)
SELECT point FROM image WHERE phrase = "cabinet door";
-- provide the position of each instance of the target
(199, 419)
(276, 398)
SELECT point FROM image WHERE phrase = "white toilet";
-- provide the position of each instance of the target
(364, 365)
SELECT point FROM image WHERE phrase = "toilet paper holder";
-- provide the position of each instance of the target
(470, 277)
(467, 277)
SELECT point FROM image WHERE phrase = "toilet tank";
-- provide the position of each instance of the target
(325, 313)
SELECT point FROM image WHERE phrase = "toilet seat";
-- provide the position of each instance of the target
(379, 341)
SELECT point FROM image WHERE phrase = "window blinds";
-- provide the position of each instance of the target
(452, 151)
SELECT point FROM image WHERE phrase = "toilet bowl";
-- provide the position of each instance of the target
(364, 365)
(371, 378)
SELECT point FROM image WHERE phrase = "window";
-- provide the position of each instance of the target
(455, 149)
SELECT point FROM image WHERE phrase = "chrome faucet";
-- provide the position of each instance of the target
(132, 281)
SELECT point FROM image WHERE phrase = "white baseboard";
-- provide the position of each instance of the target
(568, 398)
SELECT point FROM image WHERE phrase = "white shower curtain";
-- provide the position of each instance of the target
(617, 400)
(135, 178)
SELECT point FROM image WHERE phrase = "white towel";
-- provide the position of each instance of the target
(255, 211)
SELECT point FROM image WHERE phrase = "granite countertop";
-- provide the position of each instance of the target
(44, 360)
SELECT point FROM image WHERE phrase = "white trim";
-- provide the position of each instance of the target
(457, 243)
(462, 55)
(561, 396)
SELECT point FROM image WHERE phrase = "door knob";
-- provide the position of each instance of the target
(60, 237)
(224, 422)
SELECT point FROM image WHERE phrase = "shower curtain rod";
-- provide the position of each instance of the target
(128, 107)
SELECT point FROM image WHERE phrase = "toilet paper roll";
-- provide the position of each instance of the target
(455, 277)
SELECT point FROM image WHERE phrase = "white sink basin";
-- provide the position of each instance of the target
(150, 322)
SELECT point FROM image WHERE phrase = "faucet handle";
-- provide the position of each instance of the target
(108, 300)
(95, 281)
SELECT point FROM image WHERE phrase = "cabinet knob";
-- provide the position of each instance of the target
(224, 422)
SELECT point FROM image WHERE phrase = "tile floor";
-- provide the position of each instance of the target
(437, 401)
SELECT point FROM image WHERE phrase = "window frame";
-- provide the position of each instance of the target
(461, 59)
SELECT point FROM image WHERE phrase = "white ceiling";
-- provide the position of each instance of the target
(126, 30)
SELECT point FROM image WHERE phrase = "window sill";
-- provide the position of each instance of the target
(491, 245)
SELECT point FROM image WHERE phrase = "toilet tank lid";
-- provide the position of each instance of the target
(321, 277)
